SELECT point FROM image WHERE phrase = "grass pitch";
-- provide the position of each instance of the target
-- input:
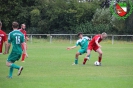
(50, 66)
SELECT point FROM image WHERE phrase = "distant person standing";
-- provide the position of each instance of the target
(23, 27)
(18, 44)
(3, 38)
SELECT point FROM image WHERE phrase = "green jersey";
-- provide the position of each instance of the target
(16, 38)
(83, 42)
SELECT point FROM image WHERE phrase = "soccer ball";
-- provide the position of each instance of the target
(96, 63)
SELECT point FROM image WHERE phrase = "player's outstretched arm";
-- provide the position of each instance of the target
(69, 48)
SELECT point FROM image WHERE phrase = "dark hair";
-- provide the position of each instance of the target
(79, 33)
(15, 24)
(0, 23)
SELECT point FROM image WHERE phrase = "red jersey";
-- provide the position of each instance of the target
(92, 43)
(3, 38)
(24, 32)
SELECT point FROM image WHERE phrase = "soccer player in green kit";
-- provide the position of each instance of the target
(83, 43)
(17, 39)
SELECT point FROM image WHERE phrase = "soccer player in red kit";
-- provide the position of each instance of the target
(23, 27)
(94, 44)
(3, 38)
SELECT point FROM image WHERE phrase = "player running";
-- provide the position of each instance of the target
(18, 43)
(3, 39)
(94, 44)
(83, 43)
(23, 27)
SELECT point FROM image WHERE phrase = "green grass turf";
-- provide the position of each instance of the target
(50, 66)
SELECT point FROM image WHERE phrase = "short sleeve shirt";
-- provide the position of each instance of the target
(83, 43)
(95, 38)
(16, 38)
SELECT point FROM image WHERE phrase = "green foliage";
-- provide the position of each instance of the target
(61, 16)
(8, 11)
(118, 24)
(35, 17)
(129, 25)
(91, 28)
(102, 16)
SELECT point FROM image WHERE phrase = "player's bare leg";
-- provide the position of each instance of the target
(100, 54)
(76, 58)
(87, 56)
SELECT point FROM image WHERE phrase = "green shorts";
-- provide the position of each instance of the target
(82, 51)
(13, 57)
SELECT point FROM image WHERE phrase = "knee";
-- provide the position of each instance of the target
(88, 52)
(77, 54)
(8, 64)
(100, 53)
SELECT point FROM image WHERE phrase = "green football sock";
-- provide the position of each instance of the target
(76, 61)
(15, 66)
(10, 71)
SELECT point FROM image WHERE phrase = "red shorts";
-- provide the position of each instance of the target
(94, 47)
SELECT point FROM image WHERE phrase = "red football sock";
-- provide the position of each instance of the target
(84, 60)
(23, 57)
(99, 59)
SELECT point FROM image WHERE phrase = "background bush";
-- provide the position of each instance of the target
(63, 16)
